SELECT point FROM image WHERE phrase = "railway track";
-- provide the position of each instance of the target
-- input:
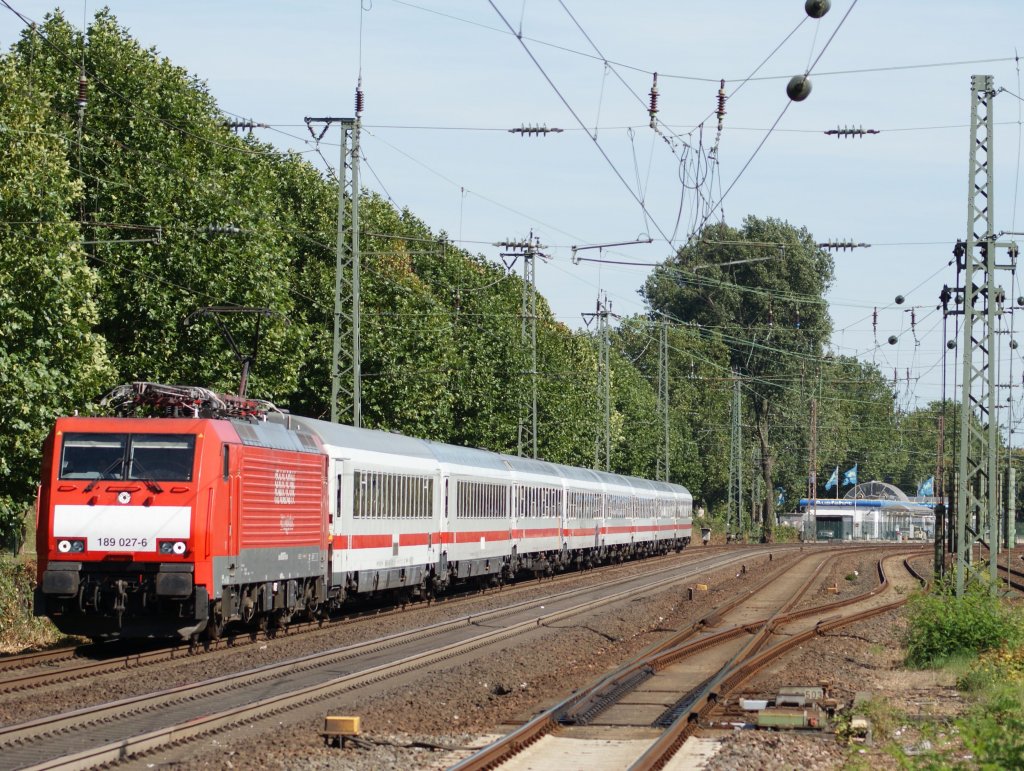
(1008, 565)
(43, 668)
(640, 715)
(107, 732)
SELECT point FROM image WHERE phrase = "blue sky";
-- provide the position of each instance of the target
(444, 80)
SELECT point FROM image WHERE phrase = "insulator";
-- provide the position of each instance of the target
(874, 320)
(913, 319)
(721, 103)
(83, 85)
(945, 296)
(359, 101)
(653, 110)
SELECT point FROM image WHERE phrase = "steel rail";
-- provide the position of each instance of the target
(19, 737)
(655, 659)
(116, 661)
(662, 750)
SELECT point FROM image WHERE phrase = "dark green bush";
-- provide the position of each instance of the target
(942, 626)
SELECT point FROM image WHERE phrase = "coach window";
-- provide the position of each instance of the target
(357, 497)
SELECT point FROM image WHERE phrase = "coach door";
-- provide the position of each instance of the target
(341, 502)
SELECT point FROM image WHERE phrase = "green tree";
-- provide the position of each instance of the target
(762, 288)
(51, 362)
(858, 422)
(159, 169)
(699, 404)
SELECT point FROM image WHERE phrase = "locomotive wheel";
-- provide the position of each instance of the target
(247, 609)
(215, 625)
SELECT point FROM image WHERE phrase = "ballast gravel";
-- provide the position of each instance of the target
(433, 720)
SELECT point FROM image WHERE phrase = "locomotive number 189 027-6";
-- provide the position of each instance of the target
(109, 542)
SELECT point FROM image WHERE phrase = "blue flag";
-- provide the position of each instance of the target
(926, 488)
(850, 477)
(833, 480)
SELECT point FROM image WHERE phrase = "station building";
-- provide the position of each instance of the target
(872, 511)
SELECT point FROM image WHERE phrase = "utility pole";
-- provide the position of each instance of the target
(529, 250)
(940, 507)
(603, 443)
(978, 483)
(663, 460)
(346, 359)
(812, 473)
(736, 457)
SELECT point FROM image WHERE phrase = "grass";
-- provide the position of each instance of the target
(993, 728)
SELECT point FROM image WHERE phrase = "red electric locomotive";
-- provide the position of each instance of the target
(166, 526)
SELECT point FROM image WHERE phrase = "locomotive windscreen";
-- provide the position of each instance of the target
(161, 457)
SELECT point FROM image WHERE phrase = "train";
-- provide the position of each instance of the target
(185, 513)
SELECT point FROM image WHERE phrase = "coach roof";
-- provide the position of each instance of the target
(341, 435)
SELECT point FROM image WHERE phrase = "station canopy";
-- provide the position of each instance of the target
(878, 491)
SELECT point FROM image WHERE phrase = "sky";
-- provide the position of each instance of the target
(444, 80)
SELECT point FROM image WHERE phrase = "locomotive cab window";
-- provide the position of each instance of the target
(159, 457)
(93, 456)
(164, 457)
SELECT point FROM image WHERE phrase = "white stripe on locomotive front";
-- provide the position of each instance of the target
(128, 526)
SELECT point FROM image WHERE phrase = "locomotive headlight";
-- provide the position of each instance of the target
(77, 546)
(71, 545)
(64, 546)
(179, 547)
(172, 547)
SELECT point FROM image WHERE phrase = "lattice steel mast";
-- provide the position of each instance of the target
(736, 458)
(978, 490)
(603, 441)
(663, 401)
(529, 250)
(346, 356)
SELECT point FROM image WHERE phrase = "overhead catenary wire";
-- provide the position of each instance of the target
(580, 121)
(708, 78)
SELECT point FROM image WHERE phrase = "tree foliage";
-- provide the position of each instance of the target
(125, 219)
(761, 287)
(51, 361)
